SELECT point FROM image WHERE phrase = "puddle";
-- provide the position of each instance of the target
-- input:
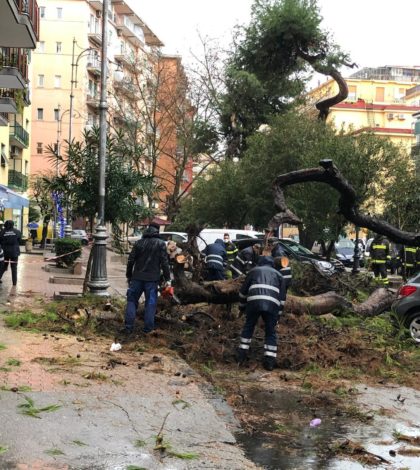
(281, 437)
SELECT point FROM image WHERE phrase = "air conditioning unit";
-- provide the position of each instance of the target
(401, 117)
(98, 13)
(390, 116)
(119, 32)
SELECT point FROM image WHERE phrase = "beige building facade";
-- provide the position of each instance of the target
(68, 63)
(19, 31)
(378, 101)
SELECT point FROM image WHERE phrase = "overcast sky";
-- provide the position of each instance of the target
(374, 32)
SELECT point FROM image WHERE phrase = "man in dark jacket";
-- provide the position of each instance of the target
(231, 252)
(245, 260)
(10, 240)
(263, 293)
(215, 260)
(379, 253)
(408, 256)
(146, 259)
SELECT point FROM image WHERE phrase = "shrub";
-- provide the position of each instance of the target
(67, 245)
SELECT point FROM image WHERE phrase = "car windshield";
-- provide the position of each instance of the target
(344, 244)
(296, 248)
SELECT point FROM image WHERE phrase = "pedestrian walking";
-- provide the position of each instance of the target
(263, 293)
(10, 241)
(215, 260)
(379, 253)
(145, 262)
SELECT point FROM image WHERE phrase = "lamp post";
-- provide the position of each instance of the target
(98, 282)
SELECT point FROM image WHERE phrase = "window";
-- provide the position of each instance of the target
(57, 81)
(58, 47)
(39, 148)
(380, 93)
(41, 46)
(352, 93)
(59, 13)
(42, 12)
(56, 114)
(40, 114)
(41, 80)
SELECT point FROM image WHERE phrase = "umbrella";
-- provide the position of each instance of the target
(32, 225)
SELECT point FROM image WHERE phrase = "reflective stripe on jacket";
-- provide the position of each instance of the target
(379, 250)
(409, 256)
(244, 261)
(263, 289)
(216, 255)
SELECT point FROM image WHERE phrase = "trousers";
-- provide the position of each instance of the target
(134, 292)
(270, 322)
(12, 260)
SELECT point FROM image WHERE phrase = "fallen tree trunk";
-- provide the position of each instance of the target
(227, 292)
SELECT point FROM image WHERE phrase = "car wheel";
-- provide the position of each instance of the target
(413, 323)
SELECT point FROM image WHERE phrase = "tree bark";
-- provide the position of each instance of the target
(348, 202)
(227, 292)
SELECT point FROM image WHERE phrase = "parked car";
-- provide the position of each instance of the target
(344, 251)
(407, 306)
(178, 237)
(80, 235)
(210, 235)
(299, 253)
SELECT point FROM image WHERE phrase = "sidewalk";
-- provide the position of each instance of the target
(34, 280)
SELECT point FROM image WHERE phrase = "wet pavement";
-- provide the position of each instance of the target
(111, 405)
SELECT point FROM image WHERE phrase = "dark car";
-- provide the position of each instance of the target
(299, 253)
(407, 306)
(344, 251)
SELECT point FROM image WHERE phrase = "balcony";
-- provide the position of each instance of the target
(95, 38)
(126, 87)
(130, 30)
(94, 66)
(124, 58)
(4, 119)
(7, 101)
(19, 24)
(92, 100)
(17, 181)
(96, 4)
(18, 136)
(13, 68)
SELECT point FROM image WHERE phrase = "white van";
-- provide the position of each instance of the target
(210, 235)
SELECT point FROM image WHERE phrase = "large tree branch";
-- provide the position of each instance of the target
(348, 202)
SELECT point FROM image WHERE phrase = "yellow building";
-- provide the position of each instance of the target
(377, 102)
(19, 29)
(67, 62)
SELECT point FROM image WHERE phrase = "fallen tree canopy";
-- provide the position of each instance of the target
(227, 292)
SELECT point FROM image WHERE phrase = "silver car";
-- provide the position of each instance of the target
(407, 306)
(80, 235)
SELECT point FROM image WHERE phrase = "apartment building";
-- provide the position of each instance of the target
(19, 31)
(68, 62)
(377, 102)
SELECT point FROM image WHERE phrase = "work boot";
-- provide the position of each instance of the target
(125, 335)
(241, 356)
(269, 363)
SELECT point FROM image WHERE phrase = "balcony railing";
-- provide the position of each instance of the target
(14, 57)
(17, 180)
(18, 133)
(129, 28)
(30, 9)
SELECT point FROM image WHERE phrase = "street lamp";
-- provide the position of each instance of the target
(98, 282)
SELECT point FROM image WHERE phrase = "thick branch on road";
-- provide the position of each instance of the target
(227, 292)
(348, 202)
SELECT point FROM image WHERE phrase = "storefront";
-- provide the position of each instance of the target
(14, 206)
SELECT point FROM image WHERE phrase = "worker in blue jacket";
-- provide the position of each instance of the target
(263, 293)
(278, 252)
(215, 260)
